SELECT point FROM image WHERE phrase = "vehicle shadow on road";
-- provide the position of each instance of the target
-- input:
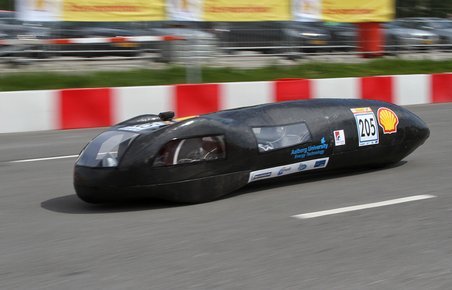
(73, 205)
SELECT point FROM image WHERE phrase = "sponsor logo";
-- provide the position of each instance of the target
(141, 127)
(388, 120)
(310, 151)
(262, 175)
(361, 110)
(283, 170)
(288, 169)
(302, 167)
(339, 137)
(320, 163)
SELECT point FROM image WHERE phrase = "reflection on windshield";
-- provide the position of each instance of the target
(106, 149)
(272, 138)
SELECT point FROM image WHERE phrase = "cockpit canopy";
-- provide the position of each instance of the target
(106, 149)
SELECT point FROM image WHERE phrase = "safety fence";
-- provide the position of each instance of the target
(201, 42)
(99, 107)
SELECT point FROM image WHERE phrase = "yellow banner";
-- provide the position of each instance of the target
(246, 10)
(358, 10)
(113, 10)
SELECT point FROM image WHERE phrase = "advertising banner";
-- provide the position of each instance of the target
(113, 10)
(38, 10)
(184, 10)
(307, 10)
(358, 10)
(206, 10)
(246, 10)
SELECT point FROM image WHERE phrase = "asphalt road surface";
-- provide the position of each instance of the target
(51, 240)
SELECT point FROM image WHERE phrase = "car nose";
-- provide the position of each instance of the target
(417, 131)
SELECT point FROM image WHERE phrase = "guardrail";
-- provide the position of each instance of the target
(179, 49)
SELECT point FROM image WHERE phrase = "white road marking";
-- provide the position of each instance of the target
(362, 206)
(44, 159)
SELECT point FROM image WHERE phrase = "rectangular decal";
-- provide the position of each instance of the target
(141, 127)
(367, 127)
(288, 169)
(339, 138)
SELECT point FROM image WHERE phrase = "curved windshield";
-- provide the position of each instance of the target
(106, 149)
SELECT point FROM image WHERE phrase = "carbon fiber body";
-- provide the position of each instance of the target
(344, 133)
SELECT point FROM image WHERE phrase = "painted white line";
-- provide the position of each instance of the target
(44, 159)
(362, 206)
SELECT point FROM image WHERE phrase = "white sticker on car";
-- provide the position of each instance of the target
(288, 169)
(339, 138)
(141, 127)
(367, 127)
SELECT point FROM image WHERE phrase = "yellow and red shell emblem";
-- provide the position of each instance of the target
(388, 120)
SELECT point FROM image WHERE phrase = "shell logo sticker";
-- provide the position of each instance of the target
(388, 120)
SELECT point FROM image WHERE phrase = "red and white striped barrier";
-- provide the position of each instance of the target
(88, 40)
(99, 107)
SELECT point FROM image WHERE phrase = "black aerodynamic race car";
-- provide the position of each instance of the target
(202, 158)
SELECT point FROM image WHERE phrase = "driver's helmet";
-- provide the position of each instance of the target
(271, 134)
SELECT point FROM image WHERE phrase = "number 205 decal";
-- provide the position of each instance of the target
(367, 126)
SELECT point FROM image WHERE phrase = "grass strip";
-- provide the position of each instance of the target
(175, 75)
